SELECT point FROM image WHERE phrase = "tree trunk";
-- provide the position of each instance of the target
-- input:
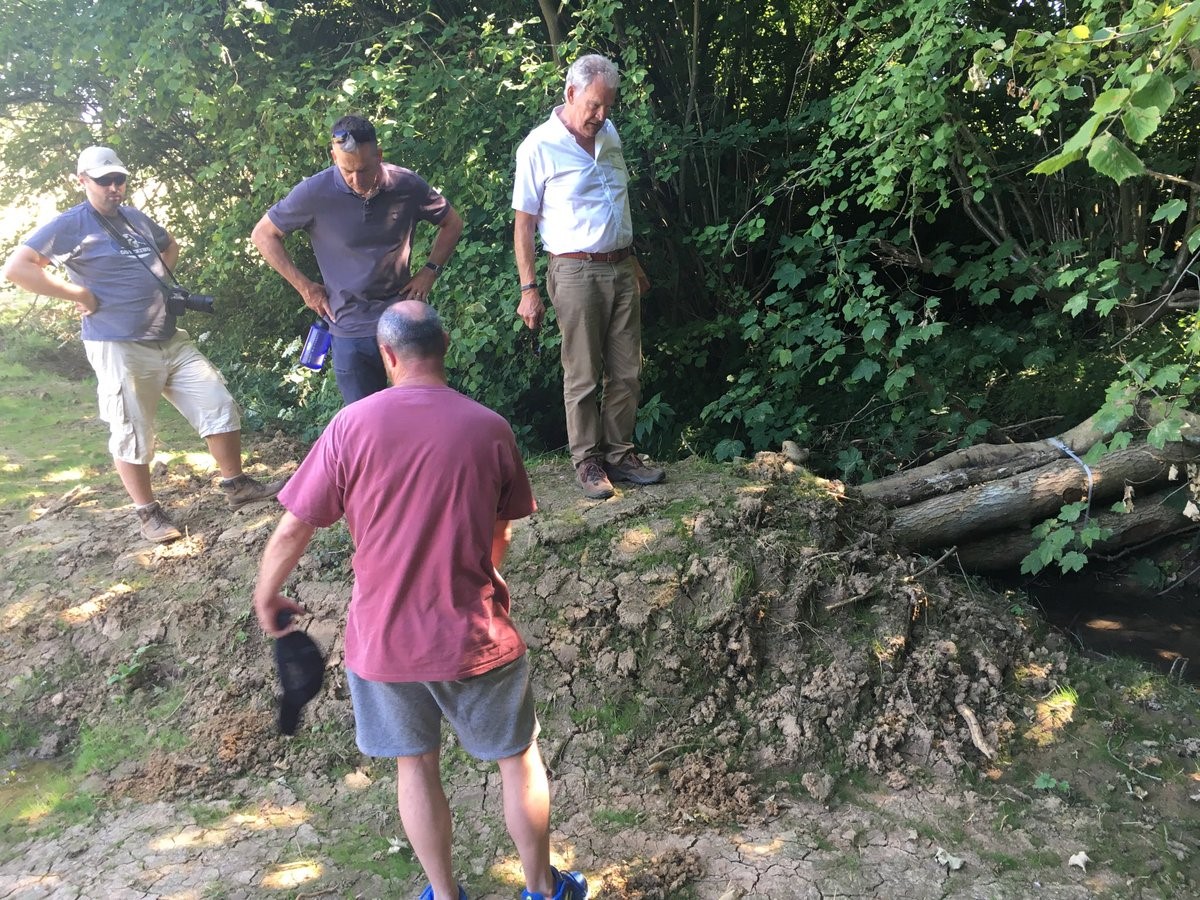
(1151, 519)
(954, 470)
(1020, 501)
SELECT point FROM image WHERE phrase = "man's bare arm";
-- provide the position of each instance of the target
(450, 229)
(267, 237)
(284, 550)
(26, 268)
(501, 537)
(531, 309)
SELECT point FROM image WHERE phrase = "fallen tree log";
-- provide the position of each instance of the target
(1023, 500)
(983, 463)
(1152, 518)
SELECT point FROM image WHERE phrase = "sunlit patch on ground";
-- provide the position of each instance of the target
(1033, 671)
(885, 651)
(64, 475)
(200, 462)
(636, 540)
(38, 808)
(1104, 625)
(36, 885)
(228, 828)
(19, 610)
(93, 607)
(770, 848)
(186, 547)
(1051, 716)
(292, 875)
(509, 869)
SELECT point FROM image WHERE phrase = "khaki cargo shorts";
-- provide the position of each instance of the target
(132, 375)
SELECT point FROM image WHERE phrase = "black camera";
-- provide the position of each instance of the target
(180, 300)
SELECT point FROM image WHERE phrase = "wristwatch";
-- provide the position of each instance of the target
(437, 270)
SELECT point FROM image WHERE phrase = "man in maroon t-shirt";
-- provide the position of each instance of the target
(428, 481)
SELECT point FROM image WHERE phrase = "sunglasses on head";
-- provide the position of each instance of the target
(109, 180)
(345, 140)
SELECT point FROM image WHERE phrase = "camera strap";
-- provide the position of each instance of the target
(124, 242)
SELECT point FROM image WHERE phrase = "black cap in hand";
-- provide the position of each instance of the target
(301, 673)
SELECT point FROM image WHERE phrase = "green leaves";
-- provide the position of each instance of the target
(1110, 157)
(1063, 540)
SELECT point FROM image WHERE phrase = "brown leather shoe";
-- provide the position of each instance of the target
(632, 469)
(593, 481)
(243, 489)
(156, 526)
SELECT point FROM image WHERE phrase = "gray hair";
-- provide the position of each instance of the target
(588, 68)
(412, 334)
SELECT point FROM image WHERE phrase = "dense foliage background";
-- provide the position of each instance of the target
(878, 228)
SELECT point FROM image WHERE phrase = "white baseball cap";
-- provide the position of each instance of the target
(96, 162)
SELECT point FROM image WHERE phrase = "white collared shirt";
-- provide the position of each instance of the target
(581, 202)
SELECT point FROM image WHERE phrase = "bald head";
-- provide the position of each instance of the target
(413, 331)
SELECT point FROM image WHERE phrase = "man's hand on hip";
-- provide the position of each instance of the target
(420, 285)
(531, 309)
(316, 298)
(86, 303)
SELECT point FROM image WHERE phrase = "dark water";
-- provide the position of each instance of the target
(1122, 618)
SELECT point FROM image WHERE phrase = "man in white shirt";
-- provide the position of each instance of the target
(572, 188)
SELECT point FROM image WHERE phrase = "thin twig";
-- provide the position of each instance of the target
(933, 565)
(1129, 766)
(847, 602)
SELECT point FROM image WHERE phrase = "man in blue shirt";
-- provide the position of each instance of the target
(360, 214)
(118, 263)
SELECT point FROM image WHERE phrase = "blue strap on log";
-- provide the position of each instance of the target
(1086, 471)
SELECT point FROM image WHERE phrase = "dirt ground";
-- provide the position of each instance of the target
(744, 691)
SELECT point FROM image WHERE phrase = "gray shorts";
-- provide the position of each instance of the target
(492, 713)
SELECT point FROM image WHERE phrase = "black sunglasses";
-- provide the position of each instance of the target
(109, 180)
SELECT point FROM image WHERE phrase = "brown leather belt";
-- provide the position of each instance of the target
(614, 257)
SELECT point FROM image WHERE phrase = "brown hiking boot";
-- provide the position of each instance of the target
(244, 489)
(156, 527)
(591, 477)
(632, 469)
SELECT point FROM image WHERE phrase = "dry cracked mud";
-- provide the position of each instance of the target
(744, 691)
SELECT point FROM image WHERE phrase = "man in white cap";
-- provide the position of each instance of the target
(118, 266)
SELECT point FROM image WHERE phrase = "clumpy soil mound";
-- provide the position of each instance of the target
(780, 631)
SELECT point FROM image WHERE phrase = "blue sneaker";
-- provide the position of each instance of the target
(427, 894)
(567, 886)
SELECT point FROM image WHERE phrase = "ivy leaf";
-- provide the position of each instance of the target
(1169, 210)
(1032, 563)
(874, 330)
(1073, 561)
(1078, 142)
(1164, 431)
(864, 371)
(1056, 162)
(1110, 157)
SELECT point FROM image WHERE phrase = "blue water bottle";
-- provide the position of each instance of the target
(316, 346)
